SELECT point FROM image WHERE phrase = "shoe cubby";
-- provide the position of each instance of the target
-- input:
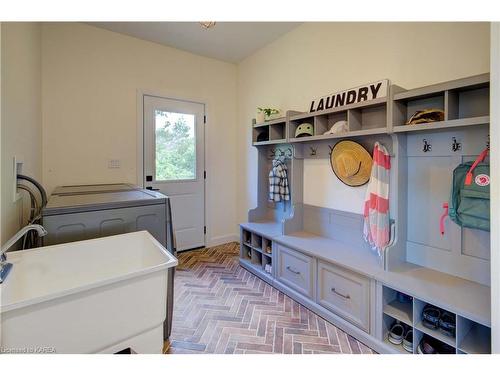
(254, 253)
(397, 308)
(387, 325)
(256, 242)
(267, 246)
(468, 337)
(472, 337)
(265, 261)
(437, 333)
(246, 252)
(256, 258)
(438, 346)
(246, 237)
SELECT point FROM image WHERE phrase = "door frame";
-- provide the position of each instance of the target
(165, 94)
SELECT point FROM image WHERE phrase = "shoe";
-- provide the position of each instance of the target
(408, 341)
(431, 316)
(396, 334)
(427, 346)
(447, 324)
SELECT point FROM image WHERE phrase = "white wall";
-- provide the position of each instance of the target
(21, 114)
(90, 79)
(316, 59)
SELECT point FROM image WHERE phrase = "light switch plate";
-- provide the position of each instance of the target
(114, 163)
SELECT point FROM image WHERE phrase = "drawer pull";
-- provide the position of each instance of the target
(292, 270)
(346, 296)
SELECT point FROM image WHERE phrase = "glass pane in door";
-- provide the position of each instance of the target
(175, 144)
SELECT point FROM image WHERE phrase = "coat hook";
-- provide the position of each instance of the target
(272, 152)
(290, 152)
(488, 142)
(427, 146)
(331, 149)
(455, 146)
(313, 151)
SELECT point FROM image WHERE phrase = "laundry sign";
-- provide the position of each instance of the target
(365, 93)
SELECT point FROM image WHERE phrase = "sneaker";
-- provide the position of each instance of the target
(427, 346)
(408, 341)
(396, 334)
(447, 324)
(431, 316)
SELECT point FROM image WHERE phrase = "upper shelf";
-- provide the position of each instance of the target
(465, 102)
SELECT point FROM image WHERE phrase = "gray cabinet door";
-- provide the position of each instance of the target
(296, 270)
(345, 293)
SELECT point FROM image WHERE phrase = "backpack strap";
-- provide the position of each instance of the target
(480, 159)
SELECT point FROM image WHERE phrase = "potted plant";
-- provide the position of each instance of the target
(266, 114)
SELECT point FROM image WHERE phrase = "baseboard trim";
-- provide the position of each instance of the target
(220, 240)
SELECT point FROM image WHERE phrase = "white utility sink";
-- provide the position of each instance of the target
(97, 296)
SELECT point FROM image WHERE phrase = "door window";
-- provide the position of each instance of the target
(175, 146)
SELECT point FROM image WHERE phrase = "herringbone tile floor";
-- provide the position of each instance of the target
(222, 308)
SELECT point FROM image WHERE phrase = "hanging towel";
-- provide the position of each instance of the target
(376, 229)
(278, 182)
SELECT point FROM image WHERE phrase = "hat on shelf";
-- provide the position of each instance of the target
(304, 130)
(426, 115)
(351, 163)
(337, 128)
(263, 135)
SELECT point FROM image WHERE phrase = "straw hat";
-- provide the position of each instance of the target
(351, 163)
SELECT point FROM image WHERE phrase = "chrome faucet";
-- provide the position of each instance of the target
(6, 267)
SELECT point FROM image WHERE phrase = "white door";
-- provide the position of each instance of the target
(174, 163)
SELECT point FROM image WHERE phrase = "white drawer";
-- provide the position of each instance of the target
(296, 270)
(345, 293)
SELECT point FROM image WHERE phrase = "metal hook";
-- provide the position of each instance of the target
(290, 152)
(313, 151)
(488, 142)
(455, 146)
(427, 146)
(331, 149)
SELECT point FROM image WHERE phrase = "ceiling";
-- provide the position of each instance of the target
(227, 41)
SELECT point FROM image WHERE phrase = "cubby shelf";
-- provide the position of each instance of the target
(271, 122)
(350, 134)
(436, 334)
(253, 254)
(480, 120)
(470, 337)
(396, 348)
(474, 342)
(274, 142)
(400, 311)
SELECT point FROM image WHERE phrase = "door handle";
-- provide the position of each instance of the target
(345, 296)
(152, 188)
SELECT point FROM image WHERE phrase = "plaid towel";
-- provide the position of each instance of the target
(278, 182)
(376, 211)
